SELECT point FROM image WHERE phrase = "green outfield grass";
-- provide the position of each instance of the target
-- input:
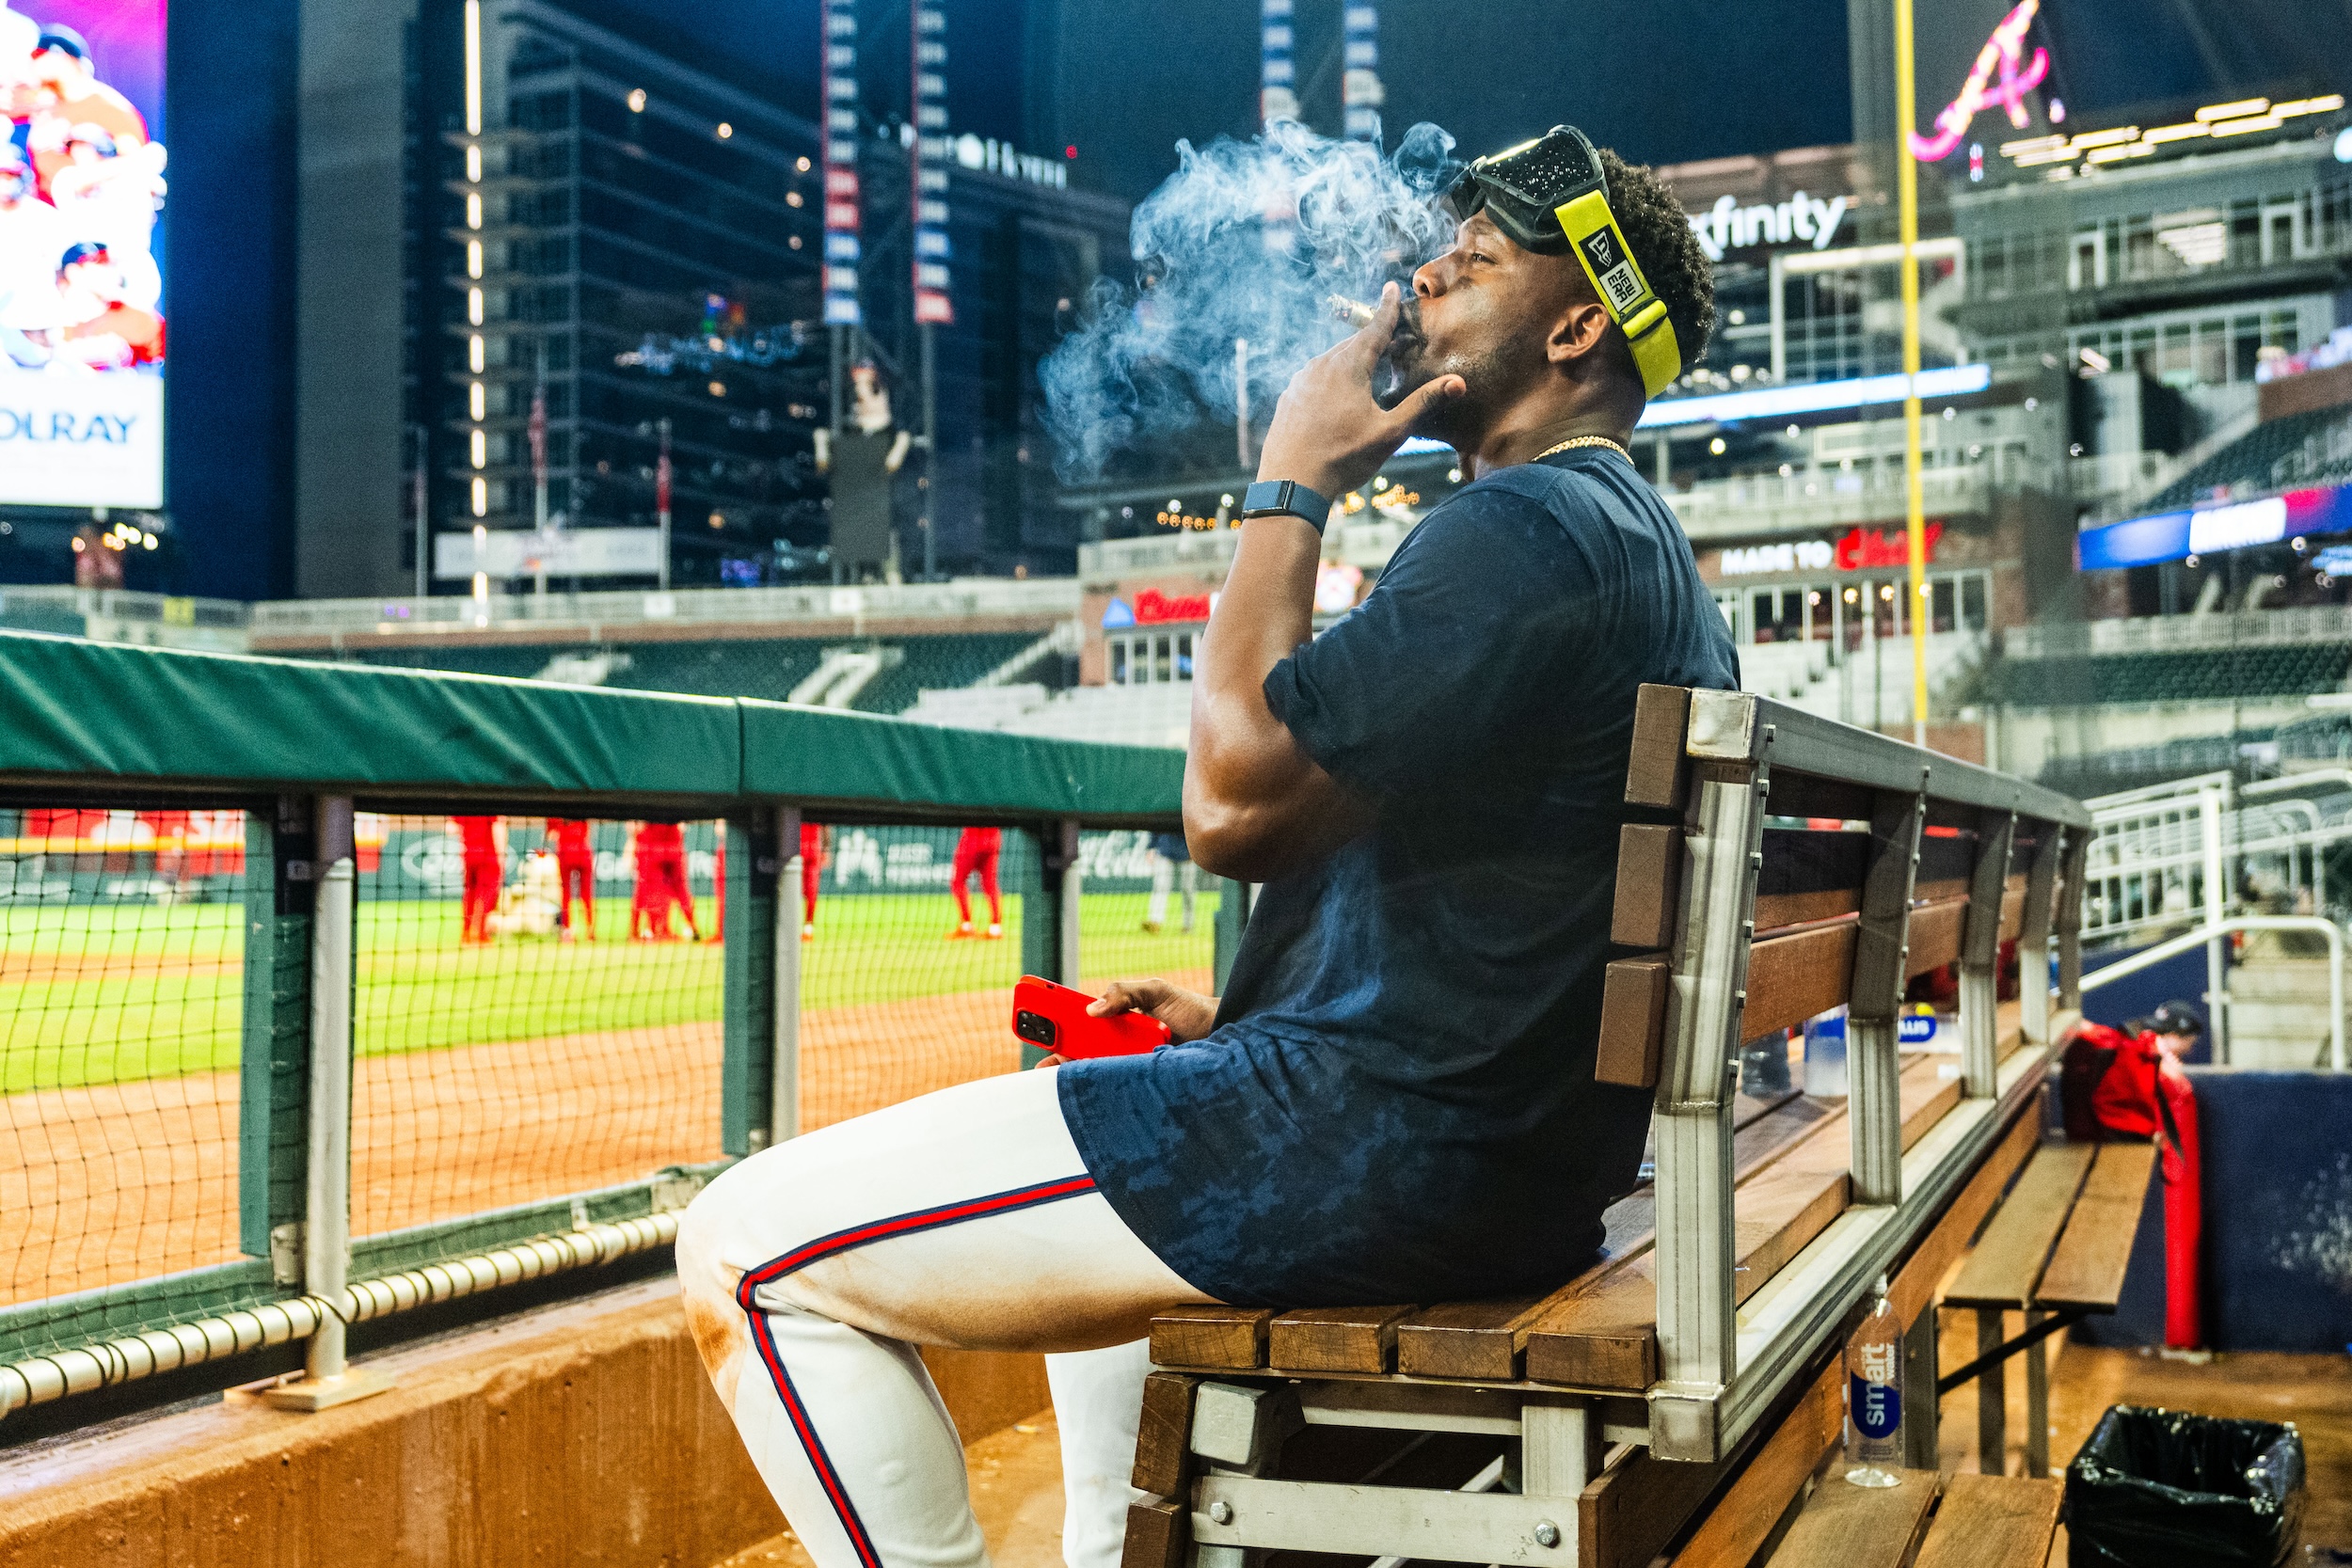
(94, 994)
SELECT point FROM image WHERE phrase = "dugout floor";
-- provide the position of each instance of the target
(1016, 1491)
(1016, 1474)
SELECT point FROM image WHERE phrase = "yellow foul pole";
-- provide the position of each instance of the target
(1907, 197)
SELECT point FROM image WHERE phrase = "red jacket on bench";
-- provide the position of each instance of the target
(2114, 1085)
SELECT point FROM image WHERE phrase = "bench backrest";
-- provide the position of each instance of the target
(1814, 865)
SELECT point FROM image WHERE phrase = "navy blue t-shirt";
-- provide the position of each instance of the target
(1397, 1102)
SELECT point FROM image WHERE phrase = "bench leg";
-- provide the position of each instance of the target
(1559, 1449)
(1922, 1438)
(2037, 1402)
(1991, 1399)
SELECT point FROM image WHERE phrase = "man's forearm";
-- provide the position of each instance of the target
(1248, 782)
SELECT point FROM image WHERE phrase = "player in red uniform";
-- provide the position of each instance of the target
(574, 866)
(661, 883)
(812, 863)
(485, 872)
(977, 850)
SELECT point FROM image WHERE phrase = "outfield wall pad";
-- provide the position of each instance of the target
(115, 715)
(582, 1433)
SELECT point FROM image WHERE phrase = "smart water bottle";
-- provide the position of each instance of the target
(1874, 1396)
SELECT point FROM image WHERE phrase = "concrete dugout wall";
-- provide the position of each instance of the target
(584, 1434)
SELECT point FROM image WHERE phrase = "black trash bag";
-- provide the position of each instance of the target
(2165, 1489)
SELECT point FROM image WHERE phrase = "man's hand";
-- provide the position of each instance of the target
(1328, 433)
(1188, 1015)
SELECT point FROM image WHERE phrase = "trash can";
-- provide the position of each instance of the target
(2167, 1489)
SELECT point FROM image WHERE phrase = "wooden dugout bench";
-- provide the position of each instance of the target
(2055, 1252)
(1680, 1394)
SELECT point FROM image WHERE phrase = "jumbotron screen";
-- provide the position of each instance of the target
(81, 295)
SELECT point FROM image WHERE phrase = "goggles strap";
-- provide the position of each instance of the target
(1623, 292)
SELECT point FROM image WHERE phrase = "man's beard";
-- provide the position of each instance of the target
(1488, 373)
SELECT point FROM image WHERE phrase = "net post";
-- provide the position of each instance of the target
(326, 1193)
(273, 1068)
(749, 1012)
(1050, 900)
(783, 1092)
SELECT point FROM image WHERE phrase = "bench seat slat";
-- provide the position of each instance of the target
(1599, 1332)
(2008, 1261)
(1993, 1522)
(2086, 1270)
(1230, 1338)
(1482, 1340)
(1335, 1339)
(1859, 1527)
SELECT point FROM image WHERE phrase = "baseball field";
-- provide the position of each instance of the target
(487, 1074)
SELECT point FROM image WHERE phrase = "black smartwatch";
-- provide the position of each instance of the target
(1269, 497)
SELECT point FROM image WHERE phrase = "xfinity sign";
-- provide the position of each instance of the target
(1728, 226)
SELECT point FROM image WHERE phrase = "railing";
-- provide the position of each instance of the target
(2148, 634)
(2188, 849)
(1821, 498)
(289, 1040)
(964, 597)
(1364, 541)
(124, 615)
(2210, 938)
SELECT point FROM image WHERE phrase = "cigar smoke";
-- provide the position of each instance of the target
(1259, 240)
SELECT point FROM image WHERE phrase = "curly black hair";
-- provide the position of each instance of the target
(1667, 252)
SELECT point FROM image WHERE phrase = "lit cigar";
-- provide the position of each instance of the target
(1355, 313)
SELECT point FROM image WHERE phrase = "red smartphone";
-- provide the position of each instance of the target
(1054, 1017)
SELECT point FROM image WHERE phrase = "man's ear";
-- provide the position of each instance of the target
(1577, 331)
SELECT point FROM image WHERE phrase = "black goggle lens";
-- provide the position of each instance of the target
(1522, 187)
(1546, 172)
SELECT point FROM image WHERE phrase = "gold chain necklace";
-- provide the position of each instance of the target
(1618, 447)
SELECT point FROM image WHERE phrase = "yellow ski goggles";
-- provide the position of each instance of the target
(1550, 196)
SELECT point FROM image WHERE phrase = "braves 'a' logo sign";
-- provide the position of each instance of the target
(2003, 74)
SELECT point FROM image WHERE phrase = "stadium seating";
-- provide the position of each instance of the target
(519, 662)
(2200, 675)
(769, 668)
(762, 667)
(937, 663)
(2307, 449)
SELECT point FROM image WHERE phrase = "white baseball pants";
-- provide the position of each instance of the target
(964, 1218)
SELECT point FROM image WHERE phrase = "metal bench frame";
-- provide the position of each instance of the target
(1721, 1366)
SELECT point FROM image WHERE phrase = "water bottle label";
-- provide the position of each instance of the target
(1877, 1408)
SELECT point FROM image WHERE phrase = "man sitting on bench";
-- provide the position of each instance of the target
(1395, 1102)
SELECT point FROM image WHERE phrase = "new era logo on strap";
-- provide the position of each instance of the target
(1610, 266)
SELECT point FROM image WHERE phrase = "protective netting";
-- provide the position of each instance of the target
(1147, 910)
(121, 946)
(899, 995)
(514, 1044)
(538, 1013)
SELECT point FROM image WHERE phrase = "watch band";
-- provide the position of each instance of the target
(1272, 497)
